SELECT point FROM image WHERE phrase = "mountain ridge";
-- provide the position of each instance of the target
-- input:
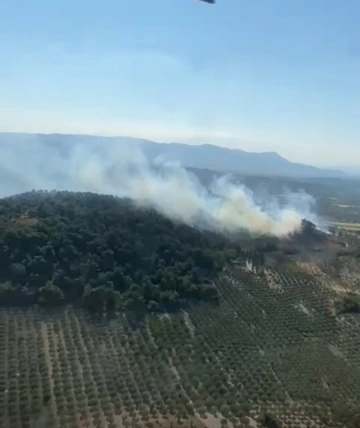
(204, 156)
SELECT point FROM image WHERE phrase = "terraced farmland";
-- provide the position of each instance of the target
(273, 347)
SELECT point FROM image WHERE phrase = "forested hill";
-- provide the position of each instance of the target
(103, 252)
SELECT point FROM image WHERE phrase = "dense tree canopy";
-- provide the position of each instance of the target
(59, 247)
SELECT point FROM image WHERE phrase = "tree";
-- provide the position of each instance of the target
(50, 294)
(7, 293)
(153, 306)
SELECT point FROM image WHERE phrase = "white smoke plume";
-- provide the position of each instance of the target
(118, 169)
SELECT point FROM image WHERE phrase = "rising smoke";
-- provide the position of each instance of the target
(116, 168)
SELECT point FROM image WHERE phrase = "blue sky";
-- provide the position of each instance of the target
(260, 75)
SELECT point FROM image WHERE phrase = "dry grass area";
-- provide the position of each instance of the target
(284, 354)
(347, 226)
(312, 268)
(22, 221)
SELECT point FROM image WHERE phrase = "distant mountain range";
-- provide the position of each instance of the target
(350, 170)
(204, 156)
(223, 159)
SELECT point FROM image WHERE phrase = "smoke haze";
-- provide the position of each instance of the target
(118, 169)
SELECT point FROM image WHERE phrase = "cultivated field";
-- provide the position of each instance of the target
(274, 346)
(347, 226)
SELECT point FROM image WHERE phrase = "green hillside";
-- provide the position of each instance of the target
(103, 252)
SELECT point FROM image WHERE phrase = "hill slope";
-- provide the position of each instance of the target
(62, 247)
(251, 344)
(204, 156)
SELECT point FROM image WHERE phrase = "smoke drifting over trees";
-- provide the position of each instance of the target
(121, 170)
